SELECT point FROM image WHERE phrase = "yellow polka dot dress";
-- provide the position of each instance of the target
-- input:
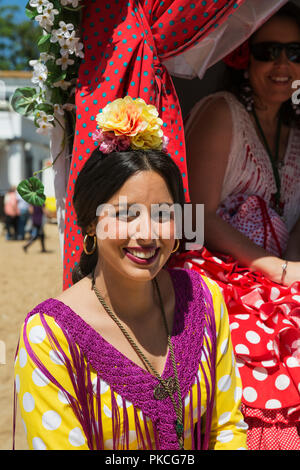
(76, 391)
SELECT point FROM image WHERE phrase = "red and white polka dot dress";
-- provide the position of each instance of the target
(264, 316)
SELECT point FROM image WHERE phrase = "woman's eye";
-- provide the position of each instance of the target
(127, 215)
(163, 216)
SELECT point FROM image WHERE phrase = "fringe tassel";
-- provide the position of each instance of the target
(115, 421)
(138, 430)
(198, 427)
(149, 441)
(99, 414)
(192, 418)
(125, 436)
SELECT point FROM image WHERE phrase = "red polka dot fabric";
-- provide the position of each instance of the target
(265, 330)
(125, 43)
(251, 216)
(271, 430)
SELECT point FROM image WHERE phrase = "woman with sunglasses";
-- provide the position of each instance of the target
(244, 166)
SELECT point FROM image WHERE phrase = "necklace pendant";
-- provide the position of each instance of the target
(179, 431)
(179, 428)
(160, 392)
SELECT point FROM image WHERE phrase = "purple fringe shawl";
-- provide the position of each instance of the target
(194, 326)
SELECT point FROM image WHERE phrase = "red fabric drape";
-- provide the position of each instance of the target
(125, 43)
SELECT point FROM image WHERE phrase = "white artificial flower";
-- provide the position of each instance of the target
(58, 109)
(44, 128)
(51, 11)
(62, 84)
(64, 61)
(44, 57)
(57, 35)
(79, 50)
(65, 28)
(64, 48)
(33, 62)
(72, 41)
(44, 20)
(39, 4)
(74, 3)
(39, 68)
(44, 118)
(40, 73)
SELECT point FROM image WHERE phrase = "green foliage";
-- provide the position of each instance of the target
(32, 191)
(18, 40)
(54, 79)
(24, 101)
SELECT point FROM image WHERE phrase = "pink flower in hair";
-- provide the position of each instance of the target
(107, 146)
(165, 143)
(123, 143)
(97, 136)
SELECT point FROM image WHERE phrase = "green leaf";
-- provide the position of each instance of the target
(57, 96)
(32, 191)
(44, 43)
(28, 92)
(30, 13)
(46, 107)
(24, 100)
(44, 38)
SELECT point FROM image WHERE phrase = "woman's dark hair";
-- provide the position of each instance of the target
(235, 82)
(103, 175)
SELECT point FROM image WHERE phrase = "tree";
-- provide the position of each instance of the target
(18, 40)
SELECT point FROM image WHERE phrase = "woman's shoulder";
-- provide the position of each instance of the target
(52, 311)
(213, 115)
(195, 285)
(220, 102)
(182, 277)
(74, 294)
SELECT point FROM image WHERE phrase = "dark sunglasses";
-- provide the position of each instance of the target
(270, 51)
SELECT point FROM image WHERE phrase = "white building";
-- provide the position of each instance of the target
(22, 150)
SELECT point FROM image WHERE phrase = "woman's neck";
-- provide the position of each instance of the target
(267, 113)
(130, 299)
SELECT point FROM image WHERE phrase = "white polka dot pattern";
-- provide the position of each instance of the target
(51, 423)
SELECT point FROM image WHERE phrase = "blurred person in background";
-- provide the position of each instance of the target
(23, 207)
(11, 211)
(38, 220)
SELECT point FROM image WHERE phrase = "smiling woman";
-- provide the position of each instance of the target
(134, 355)
(144, 179)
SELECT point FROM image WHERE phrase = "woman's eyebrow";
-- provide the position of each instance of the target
(128, 204)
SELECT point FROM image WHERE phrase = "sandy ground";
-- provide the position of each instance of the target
(25, 281)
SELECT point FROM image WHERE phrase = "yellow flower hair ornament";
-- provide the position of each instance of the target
(128, 123)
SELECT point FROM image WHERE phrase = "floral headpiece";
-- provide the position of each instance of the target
(128, 123)
(239, 58)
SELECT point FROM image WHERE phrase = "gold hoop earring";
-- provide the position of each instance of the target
(94, 245)
(177, 246)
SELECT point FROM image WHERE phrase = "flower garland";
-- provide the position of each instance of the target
(55, 72)
(54, 77)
